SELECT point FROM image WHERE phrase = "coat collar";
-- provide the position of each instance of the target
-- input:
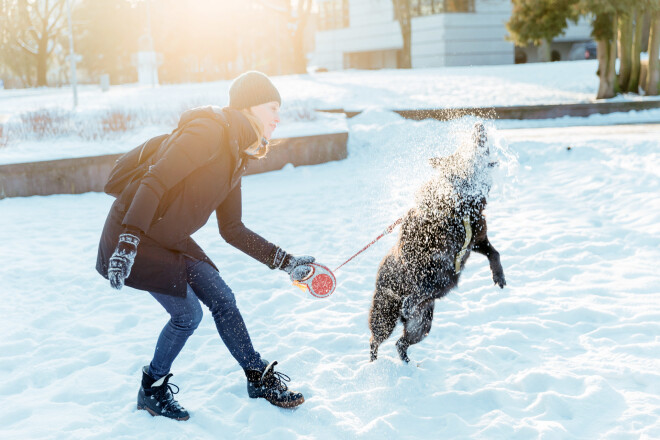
(241, 133)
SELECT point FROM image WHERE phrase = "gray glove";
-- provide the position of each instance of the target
(122, 259)
(298, 267)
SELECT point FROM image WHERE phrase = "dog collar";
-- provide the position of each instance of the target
(468, 238)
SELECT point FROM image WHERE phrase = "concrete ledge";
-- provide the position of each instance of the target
(84, 174)
(522, 112)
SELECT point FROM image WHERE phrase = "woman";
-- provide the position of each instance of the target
(146, 240)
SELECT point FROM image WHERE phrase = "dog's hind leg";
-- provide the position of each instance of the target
(416, 328)
(383, 316)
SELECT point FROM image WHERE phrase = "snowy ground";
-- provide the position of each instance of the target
(156, 110)
(569, 349)
(540, 83)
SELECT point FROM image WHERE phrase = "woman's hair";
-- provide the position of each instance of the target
(257, 149)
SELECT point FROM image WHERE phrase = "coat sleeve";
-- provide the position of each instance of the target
(234, 232)
(194, 146)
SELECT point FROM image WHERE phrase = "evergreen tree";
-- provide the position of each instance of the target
(539, 21)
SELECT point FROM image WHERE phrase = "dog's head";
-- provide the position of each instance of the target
(464, 175)
(476, 151)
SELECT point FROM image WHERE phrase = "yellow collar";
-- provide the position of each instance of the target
(468, 238)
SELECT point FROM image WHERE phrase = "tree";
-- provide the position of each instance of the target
(403, 15)
(606, 15)
(536, 21)
(604, 32)
(653, 76)
(636, 49)
(299, 19)
(42, 22)
(625, 46)
(294, 16)
(106, 34)
(12, 56)
(540, 21)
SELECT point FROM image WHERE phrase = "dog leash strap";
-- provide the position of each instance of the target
(388, 230)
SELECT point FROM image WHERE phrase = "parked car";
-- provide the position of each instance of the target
(583, 51)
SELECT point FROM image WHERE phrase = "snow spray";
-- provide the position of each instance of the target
(433, 138)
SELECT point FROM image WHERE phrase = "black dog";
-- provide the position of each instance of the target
(437, 237)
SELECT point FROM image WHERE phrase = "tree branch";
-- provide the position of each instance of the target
(25, 47)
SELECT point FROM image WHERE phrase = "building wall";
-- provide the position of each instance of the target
(372, 28)
(460, 39)
(452, 39)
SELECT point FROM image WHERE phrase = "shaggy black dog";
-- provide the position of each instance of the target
(437, 236)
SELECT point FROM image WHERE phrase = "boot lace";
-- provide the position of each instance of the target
(165, 395)
(275, 379)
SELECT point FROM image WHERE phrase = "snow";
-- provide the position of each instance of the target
(569, 349)
(156, 110)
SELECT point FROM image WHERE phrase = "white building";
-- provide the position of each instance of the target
(365, 34)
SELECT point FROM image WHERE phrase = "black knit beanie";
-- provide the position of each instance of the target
(250, 89)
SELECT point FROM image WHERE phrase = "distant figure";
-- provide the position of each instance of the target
(146, 241)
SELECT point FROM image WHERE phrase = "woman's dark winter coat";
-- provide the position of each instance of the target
(196, 170)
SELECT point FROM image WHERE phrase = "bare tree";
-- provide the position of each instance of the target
(402, 13)
(12, 58)
(298, 24)
(32, 34)
(296, 16)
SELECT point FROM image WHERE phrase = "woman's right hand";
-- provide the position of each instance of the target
(298, 267)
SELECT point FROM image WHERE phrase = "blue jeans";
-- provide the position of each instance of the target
(205, 284)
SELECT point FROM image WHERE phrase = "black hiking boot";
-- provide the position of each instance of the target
(270, 385)
(156, 397)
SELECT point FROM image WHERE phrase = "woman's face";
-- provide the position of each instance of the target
(269, 115)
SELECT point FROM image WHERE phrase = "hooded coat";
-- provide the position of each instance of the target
(195, 171)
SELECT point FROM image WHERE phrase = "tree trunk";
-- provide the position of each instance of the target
(42, 64)
(607, 64)
(299, 58)
(43, 54)
(653, 76)
(543, 51)
(633, 83)
(625, 50)
(402, 9)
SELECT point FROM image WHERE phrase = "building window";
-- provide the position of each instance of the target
(420, 8)
(333, 14)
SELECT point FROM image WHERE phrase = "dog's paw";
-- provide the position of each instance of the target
(402, 349)
(499, 280)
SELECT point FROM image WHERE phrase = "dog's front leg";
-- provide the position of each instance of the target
(483, 246)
